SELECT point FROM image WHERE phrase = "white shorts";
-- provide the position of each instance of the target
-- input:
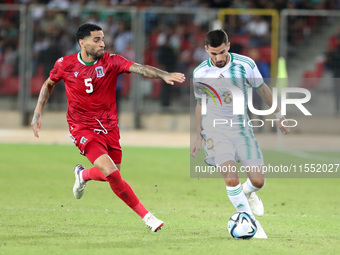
(221, 147)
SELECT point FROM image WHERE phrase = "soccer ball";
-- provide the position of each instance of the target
(242, 225)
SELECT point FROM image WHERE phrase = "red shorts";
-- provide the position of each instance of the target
(93, 144)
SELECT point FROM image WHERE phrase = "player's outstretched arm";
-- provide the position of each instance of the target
(266, 95)
(44, 95)
(152, 72)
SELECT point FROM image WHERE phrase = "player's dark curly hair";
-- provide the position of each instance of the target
(85, 30)
(215, 38)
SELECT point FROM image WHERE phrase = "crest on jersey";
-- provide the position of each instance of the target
(100, 72)
(83, 140)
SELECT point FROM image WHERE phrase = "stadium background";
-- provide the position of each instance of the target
(170, 35)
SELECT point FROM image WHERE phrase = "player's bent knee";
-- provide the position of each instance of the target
(258, 182)
(105, 164)
(232, 182)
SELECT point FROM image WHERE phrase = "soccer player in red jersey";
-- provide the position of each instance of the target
(90, 78)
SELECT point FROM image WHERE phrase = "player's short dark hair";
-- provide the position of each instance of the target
(215, 38)
(86, 29)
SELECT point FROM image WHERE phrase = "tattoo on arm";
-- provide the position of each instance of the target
(45, 92)
(44, 96)
(35, 119)
(148, 71)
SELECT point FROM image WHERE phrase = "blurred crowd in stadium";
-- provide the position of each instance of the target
(275, 4)
(174, 42)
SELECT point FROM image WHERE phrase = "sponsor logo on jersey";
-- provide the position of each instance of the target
(100, 72)
(83, 140)
(76, 74)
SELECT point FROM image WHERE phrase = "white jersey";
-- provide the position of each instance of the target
(234, 138)
(241, 72)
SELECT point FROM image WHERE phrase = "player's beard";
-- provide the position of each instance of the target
(220, 63)
(96, 54)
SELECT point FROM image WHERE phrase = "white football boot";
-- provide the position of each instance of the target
(255, 203)
(152, 222)
(79, 183)
(260, 231)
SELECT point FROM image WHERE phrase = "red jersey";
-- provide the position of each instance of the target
(91, 89)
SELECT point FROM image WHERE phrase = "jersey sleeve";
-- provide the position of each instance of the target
(56, 74)
(121, 64)
(254, 77)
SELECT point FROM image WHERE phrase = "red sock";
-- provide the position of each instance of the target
(123, 190)
(93, 173)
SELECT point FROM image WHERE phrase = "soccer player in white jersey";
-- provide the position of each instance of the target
(226, 144)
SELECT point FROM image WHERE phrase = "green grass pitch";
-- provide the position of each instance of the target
(39, 215)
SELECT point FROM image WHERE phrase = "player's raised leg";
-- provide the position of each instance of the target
(124, 191)
(254, 183)
(82, 176)
(94, 174)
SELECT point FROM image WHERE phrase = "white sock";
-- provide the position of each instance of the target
(248, 187)
(238, 199)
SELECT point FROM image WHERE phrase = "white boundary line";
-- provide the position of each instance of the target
(306, 155)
